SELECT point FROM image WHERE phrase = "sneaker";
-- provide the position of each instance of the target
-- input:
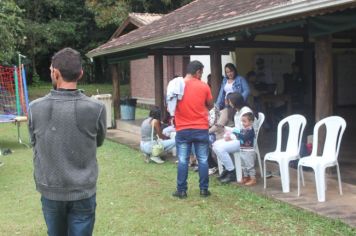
(244, 180)
(205, 193)
(230, 177)
(180, 194)
(251, 182)
(212, 170)
(223, 174)
(158, 160)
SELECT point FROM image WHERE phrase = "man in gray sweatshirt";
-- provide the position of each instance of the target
(66, 127)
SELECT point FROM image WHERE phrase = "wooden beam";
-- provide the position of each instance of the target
(115, 77)
(324, 96)
(159, 97)
(184, 51)
(228, 45)
(215, 66)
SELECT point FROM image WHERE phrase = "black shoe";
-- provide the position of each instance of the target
(180, 194)
(205, 193)
(223, 175)
(230, 177)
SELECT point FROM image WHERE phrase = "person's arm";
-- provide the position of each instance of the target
(221, 122)
(245, 88)
(210, 104)
(220, 101)
(157, 127)
(248, 135)
(30, 128)
(209, 99)
(100, 136)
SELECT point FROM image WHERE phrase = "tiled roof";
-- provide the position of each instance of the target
(144, 18)
(134, 21)
(199, 15)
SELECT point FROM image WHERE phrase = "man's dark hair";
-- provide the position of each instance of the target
(155, 113)
(194, 66)
(69, 64)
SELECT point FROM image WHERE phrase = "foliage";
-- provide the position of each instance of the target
(113, 12)
(11, 27)
(52, 25)
(134, 198)
(157, 6)
(108, 12)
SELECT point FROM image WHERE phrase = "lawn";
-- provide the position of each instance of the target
(134, 198)
(89, 89)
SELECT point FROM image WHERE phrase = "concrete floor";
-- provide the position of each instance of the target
(337, 206)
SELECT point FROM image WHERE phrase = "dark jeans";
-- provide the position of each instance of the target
(69, 218)
(200, 140)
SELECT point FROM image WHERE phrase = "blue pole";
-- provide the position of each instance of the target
(25, 86)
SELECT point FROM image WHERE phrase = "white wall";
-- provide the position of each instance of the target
(205, 59)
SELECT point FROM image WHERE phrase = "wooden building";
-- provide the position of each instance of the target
(316, 32)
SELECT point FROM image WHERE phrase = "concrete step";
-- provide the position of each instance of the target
(128, 126)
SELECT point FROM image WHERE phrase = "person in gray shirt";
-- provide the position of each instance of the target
(66, 127)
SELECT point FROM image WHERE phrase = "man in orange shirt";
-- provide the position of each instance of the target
(191, 119)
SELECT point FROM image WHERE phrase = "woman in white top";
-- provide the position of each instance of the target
(229, 144)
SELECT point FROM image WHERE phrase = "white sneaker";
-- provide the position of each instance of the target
(158, 160)
(212, 170)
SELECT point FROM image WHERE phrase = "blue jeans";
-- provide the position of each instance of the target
(199, 138)
(69, 218)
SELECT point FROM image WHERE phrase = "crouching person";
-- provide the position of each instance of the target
(150, 129)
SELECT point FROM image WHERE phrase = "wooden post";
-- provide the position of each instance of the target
(309, 76)
(324, 95)
(215, 66)
(115, 77)
(159, 97)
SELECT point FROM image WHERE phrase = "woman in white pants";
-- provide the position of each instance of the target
(223, 147)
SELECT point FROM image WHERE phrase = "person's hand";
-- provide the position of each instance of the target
(227, 136)
(236, 131)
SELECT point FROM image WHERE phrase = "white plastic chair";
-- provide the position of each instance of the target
(237, 160)
(296, 124)
(335, 127)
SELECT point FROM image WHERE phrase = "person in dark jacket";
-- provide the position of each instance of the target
(66, 127)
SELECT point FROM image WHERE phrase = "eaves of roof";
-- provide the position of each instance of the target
(294, 8)
(136, 19)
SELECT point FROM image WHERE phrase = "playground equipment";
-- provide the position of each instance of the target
(13, 97)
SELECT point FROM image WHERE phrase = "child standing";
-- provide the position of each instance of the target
(247, 153)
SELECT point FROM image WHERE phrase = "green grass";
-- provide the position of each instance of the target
(89, 89)
(134, 198)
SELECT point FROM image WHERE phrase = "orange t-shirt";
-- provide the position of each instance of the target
(191, 111)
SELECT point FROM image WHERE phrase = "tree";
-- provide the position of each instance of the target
(114, 12)
(11, 27)
(54, 24)
(108, 12)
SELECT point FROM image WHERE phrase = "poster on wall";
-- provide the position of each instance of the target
(270, 69)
